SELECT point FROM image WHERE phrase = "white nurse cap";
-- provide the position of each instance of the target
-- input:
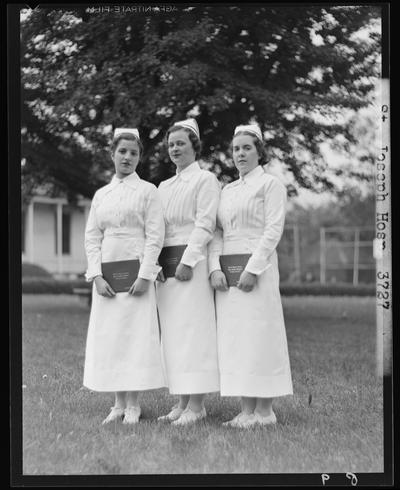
(133, 131)
(189, 124)
(251, 128)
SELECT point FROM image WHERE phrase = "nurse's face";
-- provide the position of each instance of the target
(180, 149)
(245, 154)
(126, 157)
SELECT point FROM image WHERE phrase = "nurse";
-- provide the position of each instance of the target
(252, 345)
(186, 301)
(125, 222)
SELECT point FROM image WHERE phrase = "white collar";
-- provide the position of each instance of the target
(250, 178)
(132, 180)
(186, 174)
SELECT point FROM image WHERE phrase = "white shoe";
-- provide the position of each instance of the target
(256, 419)
(131, 415)
(115, 414)
(174, 414)
(189, 416)
(235, 421)
(268, 420)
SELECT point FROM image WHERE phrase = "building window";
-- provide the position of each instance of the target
(65, 232)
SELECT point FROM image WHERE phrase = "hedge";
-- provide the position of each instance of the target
(52, 286)
(332, 289)
(34, 270)
(42, 285)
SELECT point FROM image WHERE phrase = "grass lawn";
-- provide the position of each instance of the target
(332, 423)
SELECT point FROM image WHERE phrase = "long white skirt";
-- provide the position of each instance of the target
(252, 346)
(123, 341)
(188, 333)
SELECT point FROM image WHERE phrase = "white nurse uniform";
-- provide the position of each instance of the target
(252, 346)
(123, 342)
(186, 308)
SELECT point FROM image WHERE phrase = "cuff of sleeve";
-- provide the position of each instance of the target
(90, 275)
(191, 257)
(213, 263)
(149, 272)
(257, 265)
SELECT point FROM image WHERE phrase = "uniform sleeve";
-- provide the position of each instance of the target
(154, 230)
(93, 240)
(215, 248)
(274, 213)
(207, 200)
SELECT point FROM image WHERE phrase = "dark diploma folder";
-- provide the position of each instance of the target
(232, 266)
(169, 259)
(120, 274)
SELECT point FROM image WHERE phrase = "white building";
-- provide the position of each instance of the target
(53, 235)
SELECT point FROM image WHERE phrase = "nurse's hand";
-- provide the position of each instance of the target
(247, 281)
(218, 281)
(103, 288)
(161, 277)
(139, 287)
(183, 272)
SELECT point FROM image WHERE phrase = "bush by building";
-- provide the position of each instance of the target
(333, 289)
(44, 285)
(34, 270)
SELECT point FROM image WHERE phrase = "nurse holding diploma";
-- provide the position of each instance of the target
(185, 300)
(252, 346)
(125, 223)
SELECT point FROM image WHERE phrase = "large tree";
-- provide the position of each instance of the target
(297, 71)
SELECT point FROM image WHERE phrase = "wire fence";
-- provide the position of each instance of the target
(327, 254)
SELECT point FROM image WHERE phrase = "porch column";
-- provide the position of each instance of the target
(59, 238)
(30, 243)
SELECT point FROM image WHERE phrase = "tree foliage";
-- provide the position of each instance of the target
(295, 70)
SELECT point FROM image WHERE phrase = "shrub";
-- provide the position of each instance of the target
(33, 270)
(334, 289)
(45, 285)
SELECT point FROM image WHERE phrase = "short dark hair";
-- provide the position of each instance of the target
(262, 153)
(196, 143)
(126, 136)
